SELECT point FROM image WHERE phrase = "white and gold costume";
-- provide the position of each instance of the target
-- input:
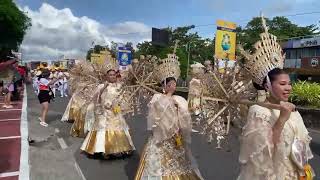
(260, 158)
(109, 133)
(79, 108)
(167, 155)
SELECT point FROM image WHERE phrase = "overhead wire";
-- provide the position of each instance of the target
(214, 24)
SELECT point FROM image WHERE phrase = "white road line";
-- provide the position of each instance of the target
(62, 143)
(10, 137)
(24, 157)
(9, 174)
(56, 130)
(79, 171)
(10, 110)
(17, 102)
(5, 120)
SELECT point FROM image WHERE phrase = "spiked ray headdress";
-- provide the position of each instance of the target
(268, 55)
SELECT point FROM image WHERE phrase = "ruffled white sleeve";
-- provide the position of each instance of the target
(153, 114)
(256, 146)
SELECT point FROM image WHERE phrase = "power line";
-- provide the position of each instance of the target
(214, 24)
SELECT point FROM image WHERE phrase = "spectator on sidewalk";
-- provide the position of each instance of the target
(7, 90)
(45, 95)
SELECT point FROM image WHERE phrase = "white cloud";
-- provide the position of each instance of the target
(55, 32)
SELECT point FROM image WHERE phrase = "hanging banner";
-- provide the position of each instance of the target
(225, 44)
(124, 56)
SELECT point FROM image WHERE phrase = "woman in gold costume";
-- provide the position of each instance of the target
(167, 155)
(79, 105)
(109, 133)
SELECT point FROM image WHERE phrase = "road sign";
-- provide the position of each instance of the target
(124, 56)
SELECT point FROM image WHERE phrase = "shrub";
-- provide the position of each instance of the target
(306, 94)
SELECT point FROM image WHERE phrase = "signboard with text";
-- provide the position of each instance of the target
(225, 44)
(306, 42)
(124, 56)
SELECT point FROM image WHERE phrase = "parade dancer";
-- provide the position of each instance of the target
(109, 134)
(65, 83)
(274, 142)
(36, 82)
(61, 82)
(195, 87)
(55, 86)
(167, 154)
(83, 92)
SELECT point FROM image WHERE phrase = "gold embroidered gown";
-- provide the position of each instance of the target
(109, 133)
(259, 158)
(78, 107)
(166, 155)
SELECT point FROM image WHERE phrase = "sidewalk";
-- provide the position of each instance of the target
(52, 152)
(14, 141)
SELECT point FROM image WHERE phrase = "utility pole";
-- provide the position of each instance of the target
(188, 49)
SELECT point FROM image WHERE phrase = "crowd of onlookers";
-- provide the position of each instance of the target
(12, 78)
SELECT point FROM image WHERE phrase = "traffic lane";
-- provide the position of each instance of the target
(118, 169)
(212, 162)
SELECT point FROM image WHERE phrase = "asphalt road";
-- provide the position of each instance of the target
(214, 164)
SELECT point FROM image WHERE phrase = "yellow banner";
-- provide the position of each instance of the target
(226, 24)
(225, 45)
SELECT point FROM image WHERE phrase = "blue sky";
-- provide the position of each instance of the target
(163, 13)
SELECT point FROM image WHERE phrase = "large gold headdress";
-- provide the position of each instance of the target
(268, 56)
(110, 64)
(168, 67)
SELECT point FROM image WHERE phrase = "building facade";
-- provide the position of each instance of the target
(303, 58)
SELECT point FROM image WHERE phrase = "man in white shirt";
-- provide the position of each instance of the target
(65, 83)
(61, 82)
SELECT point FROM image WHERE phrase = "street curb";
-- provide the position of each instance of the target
(24, 157)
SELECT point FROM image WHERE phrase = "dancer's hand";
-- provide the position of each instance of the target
(285, 111)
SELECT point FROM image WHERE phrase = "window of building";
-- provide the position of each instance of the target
(318, 51)
(299, 54)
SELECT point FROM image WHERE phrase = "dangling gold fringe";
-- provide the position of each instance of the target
(141, 164)
(77, 129)
(116, 142)
(167, 157)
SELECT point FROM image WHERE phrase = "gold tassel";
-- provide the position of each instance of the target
(308, 173)
(178, 139)
(117, 109)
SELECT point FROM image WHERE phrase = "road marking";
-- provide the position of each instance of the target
(24, 156)
(9, 174)
(5, 120)
(62, 143)
(10, 137)
(56, 130)
(79, 171)
(10, 110)
(15, 103)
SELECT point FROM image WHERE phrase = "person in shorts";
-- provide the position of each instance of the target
(45, 95)
(7, 90)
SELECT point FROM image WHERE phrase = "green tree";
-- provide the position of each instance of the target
(200, 49)
(280, 26)
(13, 26)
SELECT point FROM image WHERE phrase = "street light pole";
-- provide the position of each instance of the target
(188, 47)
